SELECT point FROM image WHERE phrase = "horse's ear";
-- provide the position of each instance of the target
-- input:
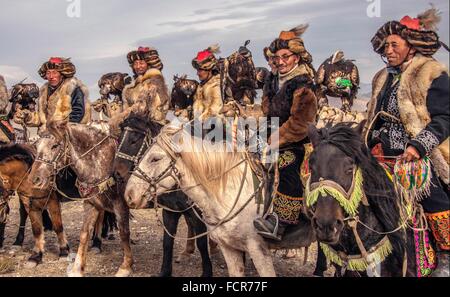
(57, 129)
(247, 42)
(175, 78)
(313, 134)
(360, 128)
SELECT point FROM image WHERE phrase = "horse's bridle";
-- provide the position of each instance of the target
(53, 162)
(148, 141)
(170, 170)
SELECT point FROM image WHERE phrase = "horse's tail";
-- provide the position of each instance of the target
(47, 222)
(109, 223)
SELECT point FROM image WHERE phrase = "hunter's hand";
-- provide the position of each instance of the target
(411, 154)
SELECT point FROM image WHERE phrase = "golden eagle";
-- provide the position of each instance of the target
(337, 77)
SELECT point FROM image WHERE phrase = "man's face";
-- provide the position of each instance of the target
(285, 60)
(140, 67)
(397, 50)
(53, 77)
(203, 74)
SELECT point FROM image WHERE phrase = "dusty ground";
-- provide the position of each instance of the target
(147, 234)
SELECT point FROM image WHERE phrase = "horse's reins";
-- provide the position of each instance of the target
(228, 217)
(171, 168)
(135, 159)
(352, 220)
(54, 164)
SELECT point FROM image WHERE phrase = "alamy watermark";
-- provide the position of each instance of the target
(228, 134)
(74, 9)
(374, 8)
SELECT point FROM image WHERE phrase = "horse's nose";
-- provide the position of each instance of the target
(331, 226)
(37, 181)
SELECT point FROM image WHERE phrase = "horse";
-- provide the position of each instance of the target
(182, 95)
(220, 182)
(15, 163)
(238, 76)
(84, 148)
(354, 207)
(136, 136)
(337, 77)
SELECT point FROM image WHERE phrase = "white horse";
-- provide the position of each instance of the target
(219, 182)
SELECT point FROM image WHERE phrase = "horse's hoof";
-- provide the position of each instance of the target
(71, 257)
(182, 257)
(123, 272)
(30, 264)
(64, 252)
(96, 250)
(317, 274)
(74, 274)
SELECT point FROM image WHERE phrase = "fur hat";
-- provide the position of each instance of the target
(62, 65)
(148, 54)
(292, 41)
(267, 53)
(419, 32)
(205, 59)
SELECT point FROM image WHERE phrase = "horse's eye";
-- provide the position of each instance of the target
(55, 146)
(349, 171)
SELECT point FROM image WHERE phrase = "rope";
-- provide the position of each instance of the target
(226, 218)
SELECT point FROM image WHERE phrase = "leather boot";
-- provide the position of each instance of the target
(270, 227)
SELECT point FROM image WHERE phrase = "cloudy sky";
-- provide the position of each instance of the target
(106, 30)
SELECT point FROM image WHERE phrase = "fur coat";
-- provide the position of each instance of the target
(412, 96)
(3, 96)
(295, 105)
(208, 99)
(58, 106)
(150, 91)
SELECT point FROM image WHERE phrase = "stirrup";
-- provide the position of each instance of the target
(274, 234)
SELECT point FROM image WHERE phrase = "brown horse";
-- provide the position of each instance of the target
(238, 76)
(15, 163)
(90, 153)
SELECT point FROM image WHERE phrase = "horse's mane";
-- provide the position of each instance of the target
(138, 121)
(377, 185)
(17, 152)
(208, 164)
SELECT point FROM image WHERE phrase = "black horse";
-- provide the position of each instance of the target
(136, 136)
(338, 153)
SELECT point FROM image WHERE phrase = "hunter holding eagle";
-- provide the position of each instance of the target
(289, 96)
(62, 98)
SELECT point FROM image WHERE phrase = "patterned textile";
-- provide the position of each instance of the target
(287, 208)
(288, 197)
(439, 224)
(425, 255)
